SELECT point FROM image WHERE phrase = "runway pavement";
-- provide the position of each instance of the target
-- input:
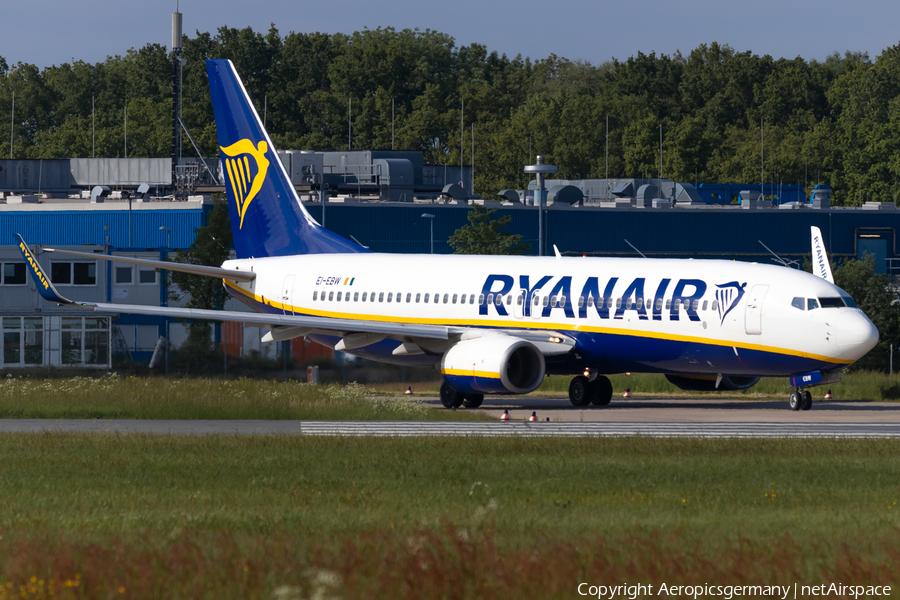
(653, 417)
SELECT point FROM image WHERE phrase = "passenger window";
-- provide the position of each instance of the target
(553, 301)
(437, 298)
(381, 296)
(562, 300)
(462, 299)
(628, 304)
(668, 304)
(499, 299)
(659, 303)
(799, 303)
(519, 300)
(356, 296)
(480, 298)
(314, 295)
(390, 294)
(330, 296)
(339, 297)
(715, 305)
(418, 297)
(426, 298)
(446, 298)
(705, 302)
(640, 303)
(454, 299)
(537, 300)
(364, 297)
(490, 299)
(811, 304)
(509, 299)
(618, 303)
(347, 297)
(408, 297)
(695, 305)
(472, 299)
(546, 300)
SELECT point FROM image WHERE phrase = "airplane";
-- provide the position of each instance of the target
(499, 324)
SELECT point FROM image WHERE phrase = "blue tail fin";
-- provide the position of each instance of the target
(267, 217)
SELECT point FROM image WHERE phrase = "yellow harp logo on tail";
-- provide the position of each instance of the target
(244, 182)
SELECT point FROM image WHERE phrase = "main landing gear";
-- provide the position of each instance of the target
(800, 399)
(450, 398)
(583, 391)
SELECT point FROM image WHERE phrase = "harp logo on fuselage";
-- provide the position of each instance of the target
(246, 167)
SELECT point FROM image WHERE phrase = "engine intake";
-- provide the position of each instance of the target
(498, 364)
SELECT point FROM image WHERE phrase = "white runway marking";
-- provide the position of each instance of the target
(432, 428)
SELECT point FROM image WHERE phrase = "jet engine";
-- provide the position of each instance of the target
(707, 383)
(497, 364)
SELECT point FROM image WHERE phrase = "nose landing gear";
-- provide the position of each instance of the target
(800, 399)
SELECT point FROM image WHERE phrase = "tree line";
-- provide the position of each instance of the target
(833, 122)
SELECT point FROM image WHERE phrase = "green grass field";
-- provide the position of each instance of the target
(160, 398)
(280, 517)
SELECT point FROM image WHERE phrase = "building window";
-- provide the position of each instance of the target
(124, 275)
(13, 274)
(73, 273)
(146, 276)
(85, 341)
(23, 341)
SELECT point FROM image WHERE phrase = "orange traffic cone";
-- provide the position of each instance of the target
(828, 396)
(408, 391)
(533, 416)
(627, 393)
(505, 416)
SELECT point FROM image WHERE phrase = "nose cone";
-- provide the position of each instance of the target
(855, 333)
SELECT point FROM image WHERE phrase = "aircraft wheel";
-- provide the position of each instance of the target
(807, 400)
(579, 391)
(450, 398)
(602, 391)
(473, 400)
(796, 400)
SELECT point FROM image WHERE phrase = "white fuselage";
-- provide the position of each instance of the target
(729, 317)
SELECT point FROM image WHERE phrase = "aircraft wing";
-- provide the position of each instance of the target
(549, 342)
(231, 274)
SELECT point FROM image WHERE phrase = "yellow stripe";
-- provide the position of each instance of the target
(247, 171)
(237, 191)
(540, 326)
(240, 169)
(468, 373)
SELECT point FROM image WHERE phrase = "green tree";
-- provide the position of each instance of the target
(483, 236)
(210, 248)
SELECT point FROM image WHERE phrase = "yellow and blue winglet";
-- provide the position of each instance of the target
(41, 279)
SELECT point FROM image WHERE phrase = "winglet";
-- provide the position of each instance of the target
(41, 279)
(821, 268)
(556, 252)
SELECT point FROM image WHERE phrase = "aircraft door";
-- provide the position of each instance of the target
(287, 293)
(753, 314)
(519, 306)
(536, 307)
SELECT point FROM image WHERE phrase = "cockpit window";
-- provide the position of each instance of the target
(831, 302)
(799, 303)
(849, 301)
(811, 303)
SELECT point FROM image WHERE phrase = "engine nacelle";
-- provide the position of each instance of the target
(497, 364)
(707, 383)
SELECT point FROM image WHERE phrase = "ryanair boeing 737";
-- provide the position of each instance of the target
(498, 324)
